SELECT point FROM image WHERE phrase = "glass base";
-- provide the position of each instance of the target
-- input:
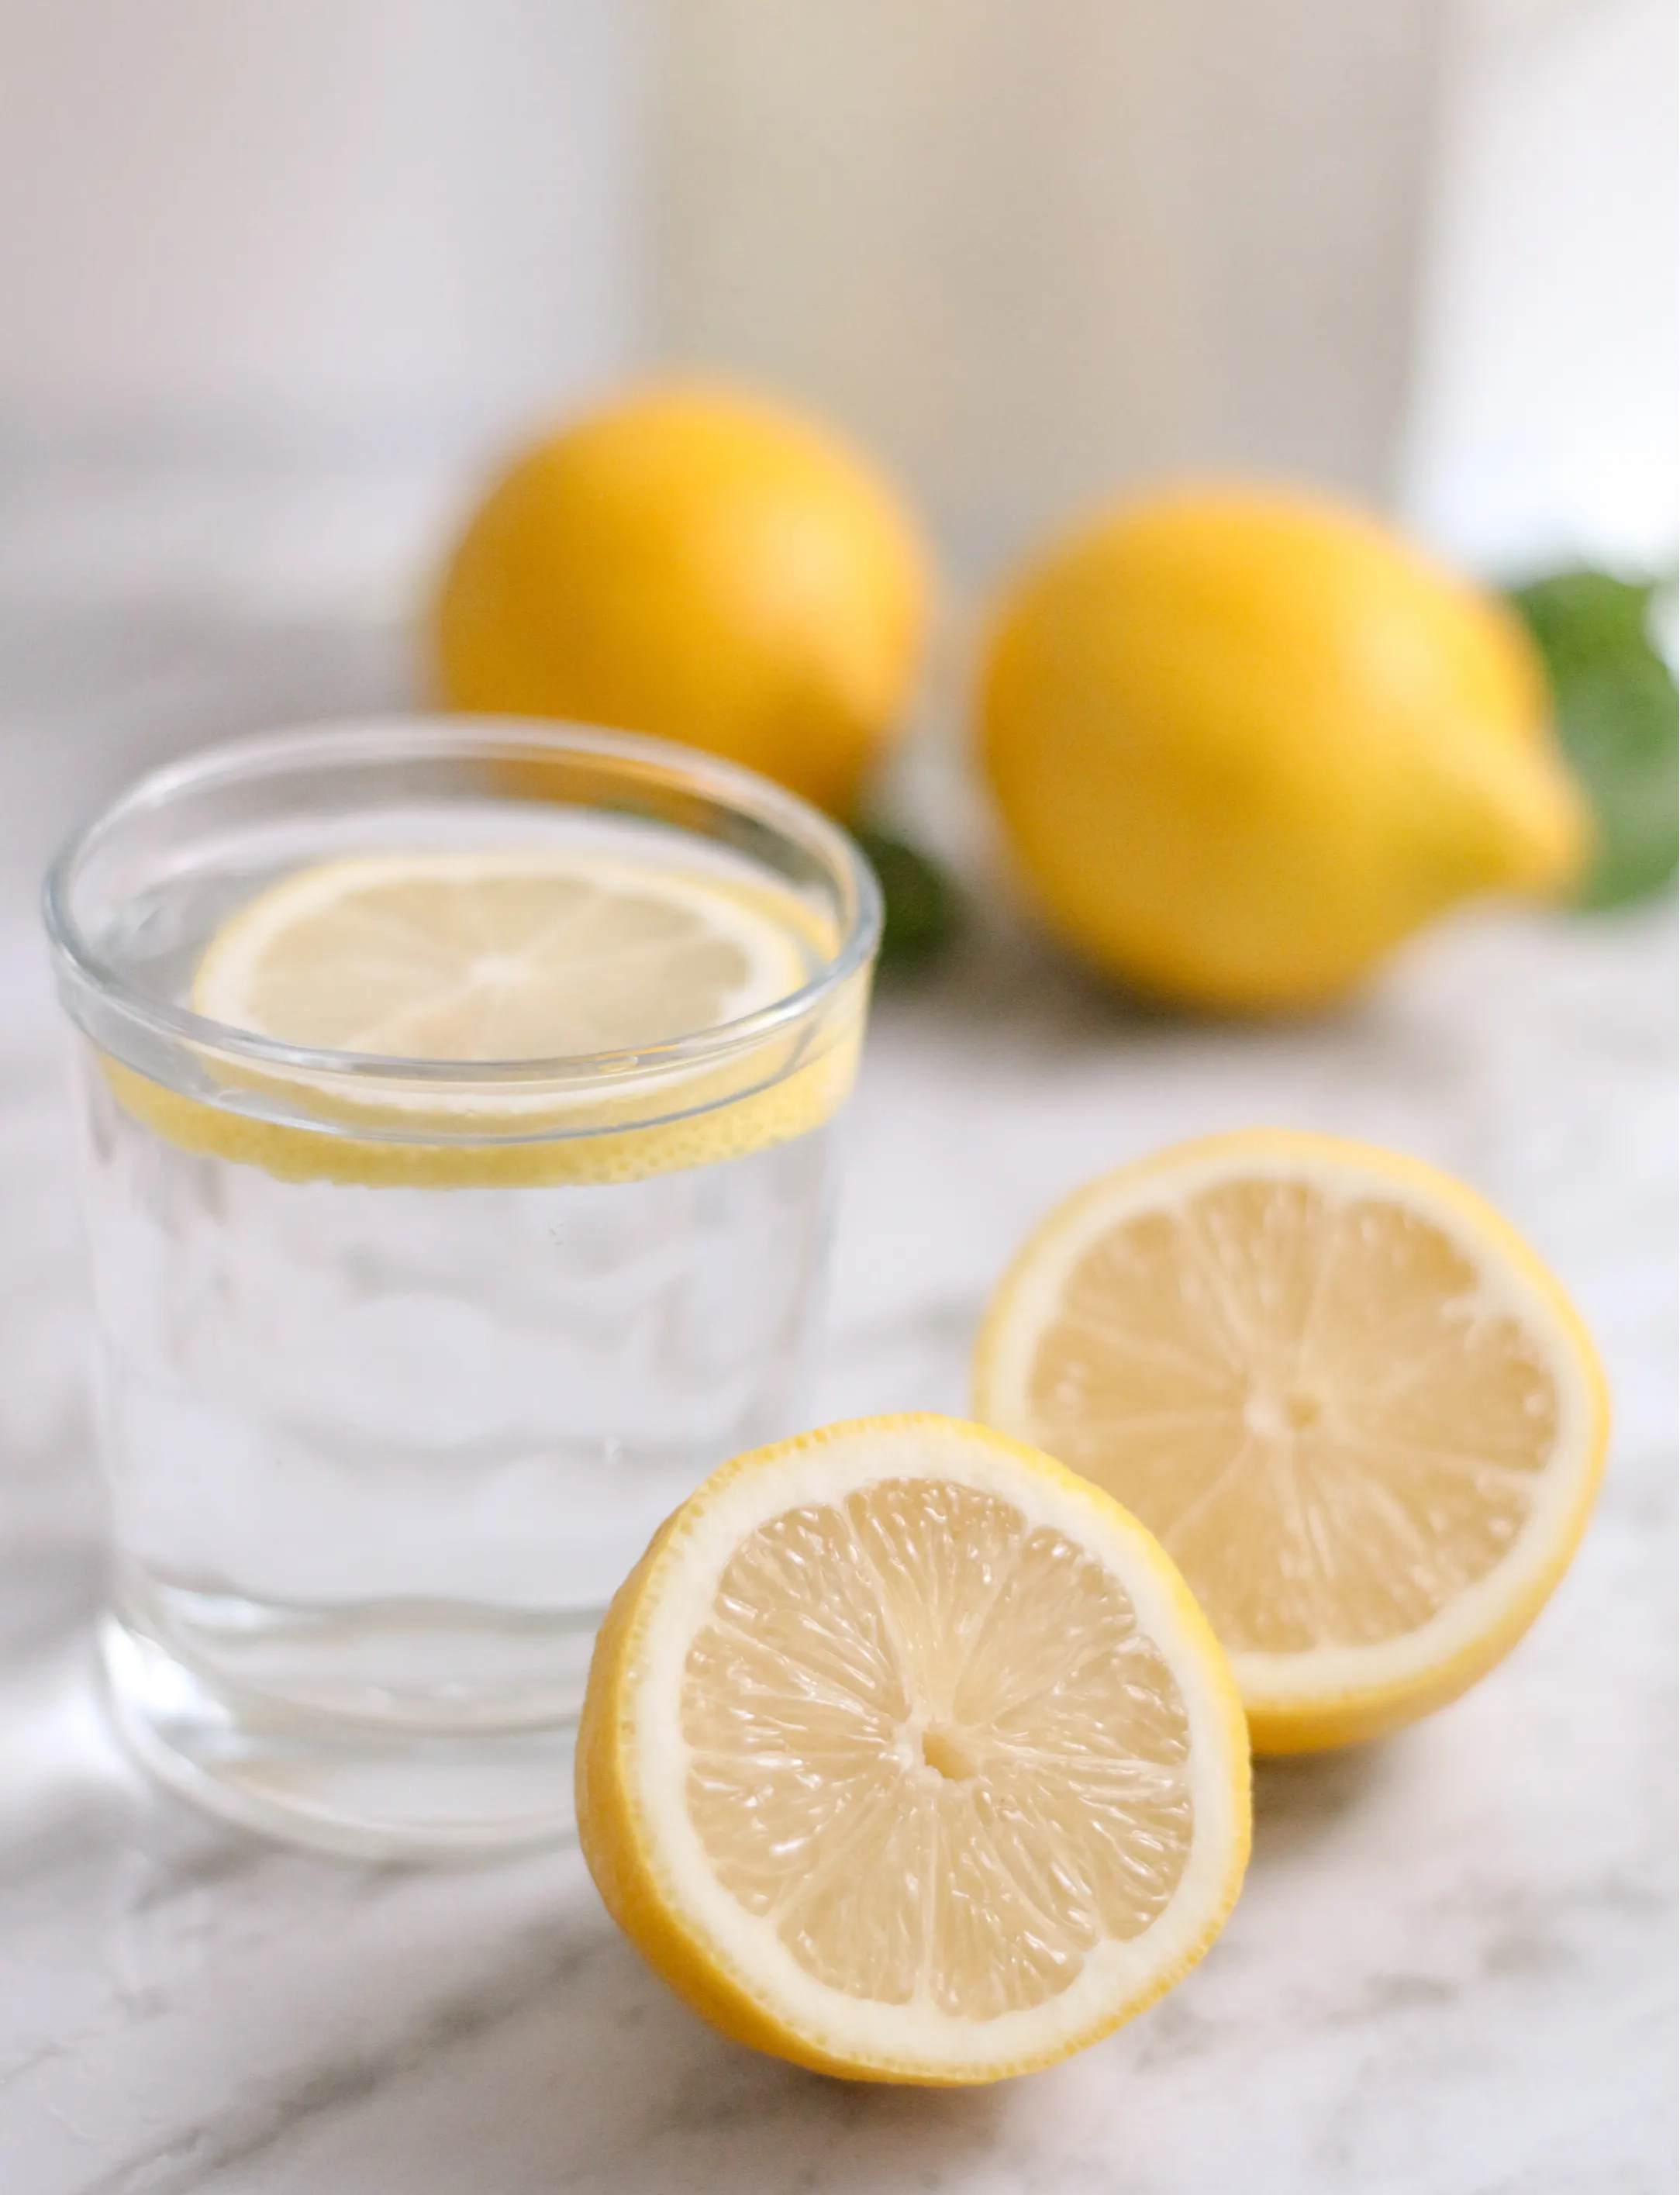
(370, 1790)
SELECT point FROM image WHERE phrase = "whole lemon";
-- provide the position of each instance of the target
(1244, 741)
(693, 562)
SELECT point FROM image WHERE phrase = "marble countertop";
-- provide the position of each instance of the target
(1451, 1970)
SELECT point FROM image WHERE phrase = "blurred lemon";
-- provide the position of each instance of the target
(1244, 741)
(699, 564)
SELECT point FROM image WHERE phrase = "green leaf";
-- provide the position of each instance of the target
(1618, 718)
(1582, 618)
(923, 911)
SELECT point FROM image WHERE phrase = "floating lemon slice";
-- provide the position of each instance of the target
(906, 1755)
(1359, 1414)
(492, 959)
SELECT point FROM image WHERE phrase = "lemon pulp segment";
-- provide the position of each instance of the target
(1004, 1754)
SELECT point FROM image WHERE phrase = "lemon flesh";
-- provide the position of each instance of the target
(1360, 1415)
(907, 1756)
(493, 957)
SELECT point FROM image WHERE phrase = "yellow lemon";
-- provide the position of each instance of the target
(701, 564)
(905, 1756)
(1244, 741)
(1360, 1415)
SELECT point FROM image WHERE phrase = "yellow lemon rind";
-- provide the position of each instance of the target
(662, 520)
(1245, 740)
(367, 1146)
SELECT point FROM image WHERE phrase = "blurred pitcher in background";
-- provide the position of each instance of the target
(1033, 249)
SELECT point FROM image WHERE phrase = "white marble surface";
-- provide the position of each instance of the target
(1451, 1971)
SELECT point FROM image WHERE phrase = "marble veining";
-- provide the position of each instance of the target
(1452, 1971)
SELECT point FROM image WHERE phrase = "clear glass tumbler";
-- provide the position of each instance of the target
(400, 1361)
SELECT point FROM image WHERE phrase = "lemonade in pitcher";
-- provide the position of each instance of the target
(457, 1106)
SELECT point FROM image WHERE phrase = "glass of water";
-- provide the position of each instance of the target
(457, 1106)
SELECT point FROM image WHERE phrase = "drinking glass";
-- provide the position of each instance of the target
(400, 1361)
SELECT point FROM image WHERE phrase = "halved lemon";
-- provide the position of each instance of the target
(497, 957)
(1359, 1414)
(494, 956)
(906, 1755)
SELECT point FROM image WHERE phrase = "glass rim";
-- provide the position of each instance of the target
(442, 737)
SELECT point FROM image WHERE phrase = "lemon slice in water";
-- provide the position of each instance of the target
(496, 956)
(493, 959)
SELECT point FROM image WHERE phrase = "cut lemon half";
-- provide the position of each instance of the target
(906, 1755)
(1361, 1416)
(494, 957)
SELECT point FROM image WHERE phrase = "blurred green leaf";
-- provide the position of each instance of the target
(1583, 618)
(1618, 717)
(923, 911)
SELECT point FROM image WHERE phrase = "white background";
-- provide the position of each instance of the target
(353, 226)
(368, 230)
